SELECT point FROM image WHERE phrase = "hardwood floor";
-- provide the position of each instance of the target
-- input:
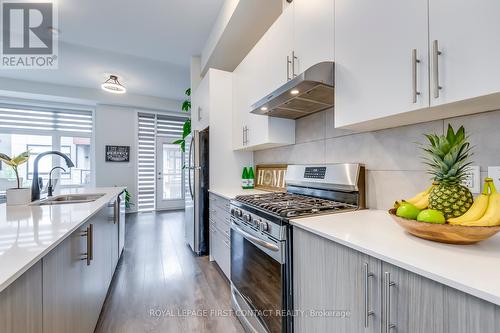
(160, 286)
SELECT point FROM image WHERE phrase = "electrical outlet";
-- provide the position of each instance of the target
(494, 172)
(473, 179)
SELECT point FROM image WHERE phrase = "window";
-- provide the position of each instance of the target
(172, 172)
(42, 129)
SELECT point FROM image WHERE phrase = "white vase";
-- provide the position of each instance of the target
(18, 196)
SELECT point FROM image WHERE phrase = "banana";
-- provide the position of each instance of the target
(421, 200)
(477, 210)
(492, 215)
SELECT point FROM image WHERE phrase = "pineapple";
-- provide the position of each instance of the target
(448, 158)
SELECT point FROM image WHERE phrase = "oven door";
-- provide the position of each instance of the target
(257, 279)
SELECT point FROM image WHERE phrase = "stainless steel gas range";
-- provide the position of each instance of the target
(261, 239)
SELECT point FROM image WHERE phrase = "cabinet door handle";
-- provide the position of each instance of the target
(435, 68)
(199, 113)
(414, 81)
(288, 63)
(246, 135)
(89, 254)
(293, 64)
(387, 302)
(367, 276)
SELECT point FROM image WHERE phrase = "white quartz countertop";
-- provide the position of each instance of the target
(473, 269)
(231, 193)
(28, 233)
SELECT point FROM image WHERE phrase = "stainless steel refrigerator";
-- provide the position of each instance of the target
(196, 192)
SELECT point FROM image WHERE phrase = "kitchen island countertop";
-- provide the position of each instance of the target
(473, 269)
(28, 233)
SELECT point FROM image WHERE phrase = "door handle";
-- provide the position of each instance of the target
(435, 68)
(254, 239)
(199, 113)
(367, 276)
(387, 302)
(414, 81)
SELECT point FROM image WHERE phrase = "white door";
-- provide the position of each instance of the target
(467, 37)
(313, 32)
(170, 178)
(374, 41)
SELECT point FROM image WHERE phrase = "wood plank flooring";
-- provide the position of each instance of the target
(160, 286)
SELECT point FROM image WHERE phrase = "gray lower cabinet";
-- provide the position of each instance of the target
(21, 303)
(335, 288)
(330, 279)
(220, 235)
(74, 290)
(411, 303)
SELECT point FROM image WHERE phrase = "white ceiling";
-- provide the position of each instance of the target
(147, 43)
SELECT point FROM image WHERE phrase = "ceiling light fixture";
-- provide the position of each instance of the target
(263, 108)
(113, 86)
(294, 92)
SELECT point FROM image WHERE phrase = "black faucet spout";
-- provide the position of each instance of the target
(35, 185)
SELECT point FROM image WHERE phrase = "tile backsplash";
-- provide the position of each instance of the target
(391, 156)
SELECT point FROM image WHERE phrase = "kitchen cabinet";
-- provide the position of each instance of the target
(466, 34)
(374, 50)
(328, 275)
(264, 69)
(411, 303)
(220, 236)
(433, 60)
(313, 32)
(21, 303)
(200, 110)
(74, 289)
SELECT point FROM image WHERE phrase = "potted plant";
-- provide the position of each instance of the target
(18, 195)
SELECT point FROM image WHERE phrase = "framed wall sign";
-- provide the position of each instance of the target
(117, 153)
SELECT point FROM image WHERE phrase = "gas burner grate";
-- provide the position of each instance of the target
(293, 205)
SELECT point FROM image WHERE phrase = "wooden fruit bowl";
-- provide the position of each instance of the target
(445, 233)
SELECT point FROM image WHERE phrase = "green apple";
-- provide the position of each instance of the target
(431, 216)
(408, 211)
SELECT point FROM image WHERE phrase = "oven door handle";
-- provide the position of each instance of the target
(254, 239)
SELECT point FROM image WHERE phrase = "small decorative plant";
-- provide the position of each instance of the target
(15, 162)
(186, 128)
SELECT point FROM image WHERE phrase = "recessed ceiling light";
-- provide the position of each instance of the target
(264, 108)
(294, 92)
(113, 86)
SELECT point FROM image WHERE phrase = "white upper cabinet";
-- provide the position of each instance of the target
(313, 32)
(467, 37)
(200, 105)
(263, 70)
(375, 73)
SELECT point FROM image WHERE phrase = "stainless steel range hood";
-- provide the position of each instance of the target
(309, 92)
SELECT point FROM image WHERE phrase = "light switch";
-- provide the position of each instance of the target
(494, 172)
(473, 179)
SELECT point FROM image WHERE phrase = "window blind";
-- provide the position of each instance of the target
(151, 126)
(45, 119)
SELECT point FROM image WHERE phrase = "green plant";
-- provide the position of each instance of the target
(15, 162)
(186, 128)
(128, 204)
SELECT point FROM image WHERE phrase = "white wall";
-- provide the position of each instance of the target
(115, 125)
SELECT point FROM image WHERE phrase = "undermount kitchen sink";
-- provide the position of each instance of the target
(68, 199)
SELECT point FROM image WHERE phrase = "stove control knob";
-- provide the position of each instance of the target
(257, 223)
(264, 226)
(247, 218)
(237, 213)
(232, 212)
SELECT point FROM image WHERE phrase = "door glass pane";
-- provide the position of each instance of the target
(172, 172)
